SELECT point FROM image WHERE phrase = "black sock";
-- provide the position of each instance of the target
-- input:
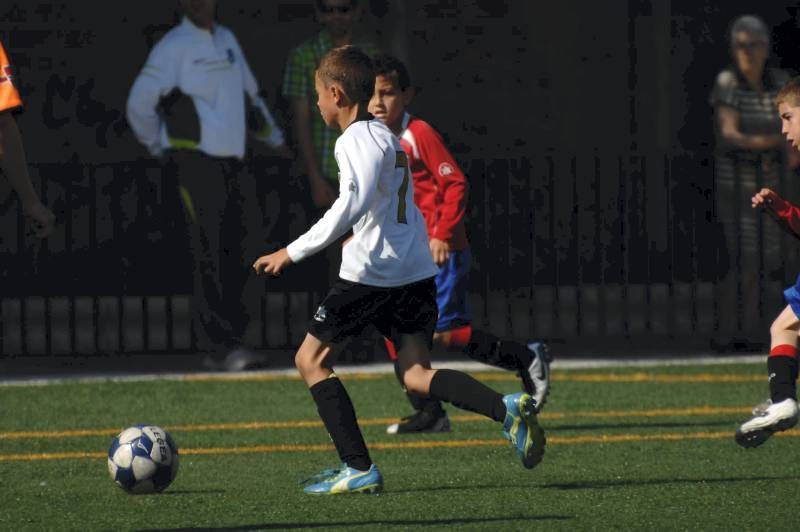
(489, 349)
(782, 377)
(465, 392)
(419, 403)
(339, 417)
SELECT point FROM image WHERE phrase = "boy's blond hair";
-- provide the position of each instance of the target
(789, 93)
(352, 70)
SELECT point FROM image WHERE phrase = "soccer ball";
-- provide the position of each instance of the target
(143, 459)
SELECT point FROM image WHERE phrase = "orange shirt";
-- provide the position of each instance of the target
(9, 97)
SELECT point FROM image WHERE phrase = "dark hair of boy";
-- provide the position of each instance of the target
(391, 67)
(352, 69)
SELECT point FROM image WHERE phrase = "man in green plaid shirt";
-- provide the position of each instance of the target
(315, 141)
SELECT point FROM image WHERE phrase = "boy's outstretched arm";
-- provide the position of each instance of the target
(274, 263)
(768, 199)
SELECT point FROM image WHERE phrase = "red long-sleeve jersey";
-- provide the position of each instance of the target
(440, 188)
(788, 213)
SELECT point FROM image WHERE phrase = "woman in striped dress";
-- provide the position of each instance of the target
(750, 154)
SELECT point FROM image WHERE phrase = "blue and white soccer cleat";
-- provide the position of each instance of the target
(536, 377)
(522, 429)
(767, 419)
(346, 480)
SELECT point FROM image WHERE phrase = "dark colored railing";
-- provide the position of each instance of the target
(597, 247)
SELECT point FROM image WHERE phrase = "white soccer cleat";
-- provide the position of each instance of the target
(538, 374)
(767, 419)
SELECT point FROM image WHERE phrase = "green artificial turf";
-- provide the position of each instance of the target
(617, 457)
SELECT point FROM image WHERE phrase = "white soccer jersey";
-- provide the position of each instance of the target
(210, 68)
(389, 246)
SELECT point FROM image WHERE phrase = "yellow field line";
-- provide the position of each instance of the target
(508, 376)
(451, 444)
(464, 418)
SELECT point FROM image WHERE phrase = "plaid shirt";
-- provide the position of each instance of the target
(298, 80)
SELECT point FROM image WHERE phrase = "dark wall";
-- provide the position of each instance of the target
(583, 126)
(500, 78)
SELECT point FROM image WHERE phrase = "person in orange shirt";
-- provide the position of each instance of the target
(12, 154)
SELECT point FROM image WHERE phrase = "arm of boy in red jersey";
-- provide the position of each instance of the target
(450, 182)
(788, 213)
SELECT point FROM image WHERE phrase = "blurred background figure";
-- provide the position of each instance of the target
(750, 154)
(188, 107)
(12, 153)
(313, 140)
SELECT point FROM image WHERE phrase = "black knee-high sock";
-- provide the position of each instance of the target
(782, 368)
(419, 403)
(489, 349)
(337, 413)
(465, 392)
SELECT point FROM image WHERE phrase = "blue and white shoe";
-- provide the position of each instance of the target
(536, 377)
(522, 429)
(346, 480)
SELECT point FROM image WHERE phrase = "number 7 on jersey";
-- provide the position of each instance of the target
(401, 161)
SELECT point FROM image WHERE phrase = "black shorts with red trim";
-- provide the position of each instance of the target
(350, 307)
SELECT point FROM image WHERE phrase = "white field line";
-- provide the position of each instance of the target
(377, 368)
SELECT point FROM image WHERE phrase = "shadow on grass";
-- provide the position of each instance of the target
(605, 484)
(631, 425)
(374, 523)
(462, 487)
(189, 492)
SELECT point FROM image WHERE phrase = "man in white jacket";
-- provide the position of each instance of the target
(193, 105)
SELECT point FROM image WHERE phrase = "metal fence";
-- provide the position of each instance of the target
(597, 247)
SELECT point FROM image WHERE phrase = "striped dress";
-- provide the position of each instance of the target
(739, 173)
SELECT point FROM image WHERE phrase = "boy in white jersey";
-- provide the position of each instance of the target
(386, 279)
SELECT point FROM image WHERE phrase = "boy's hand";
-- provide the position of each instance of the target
(274, 263)
(764, 198)
(322, 193)
(42, 218)
(440, 251)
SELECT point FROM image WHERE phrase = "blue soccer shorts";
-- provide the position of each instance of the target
(792, 296)
(452, 288)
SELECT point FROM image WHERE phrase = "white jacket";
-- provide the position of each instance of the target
(210, 68)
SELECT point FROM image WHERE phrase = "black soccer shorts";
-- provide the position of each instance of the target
(349, 307)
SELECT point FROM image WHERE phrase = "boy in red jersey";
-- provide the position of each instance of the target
(440, 192)
(780, 411)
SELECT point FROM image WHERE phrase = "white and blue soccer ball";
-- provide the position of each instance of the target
(143, 459)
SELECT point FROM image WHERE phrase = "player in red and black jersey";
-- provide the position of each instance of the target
(440, 192)
(780, 411)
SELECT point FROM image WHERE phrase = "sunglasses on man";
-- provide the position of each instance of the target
(748, 46)
(335, 9)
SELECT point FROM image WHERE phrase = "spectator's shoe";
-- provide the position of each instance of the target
(242, 359)
(536, 377)
(521, 428)
(421, 421)
(211, 363)
(345, 480)
(767, 419)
